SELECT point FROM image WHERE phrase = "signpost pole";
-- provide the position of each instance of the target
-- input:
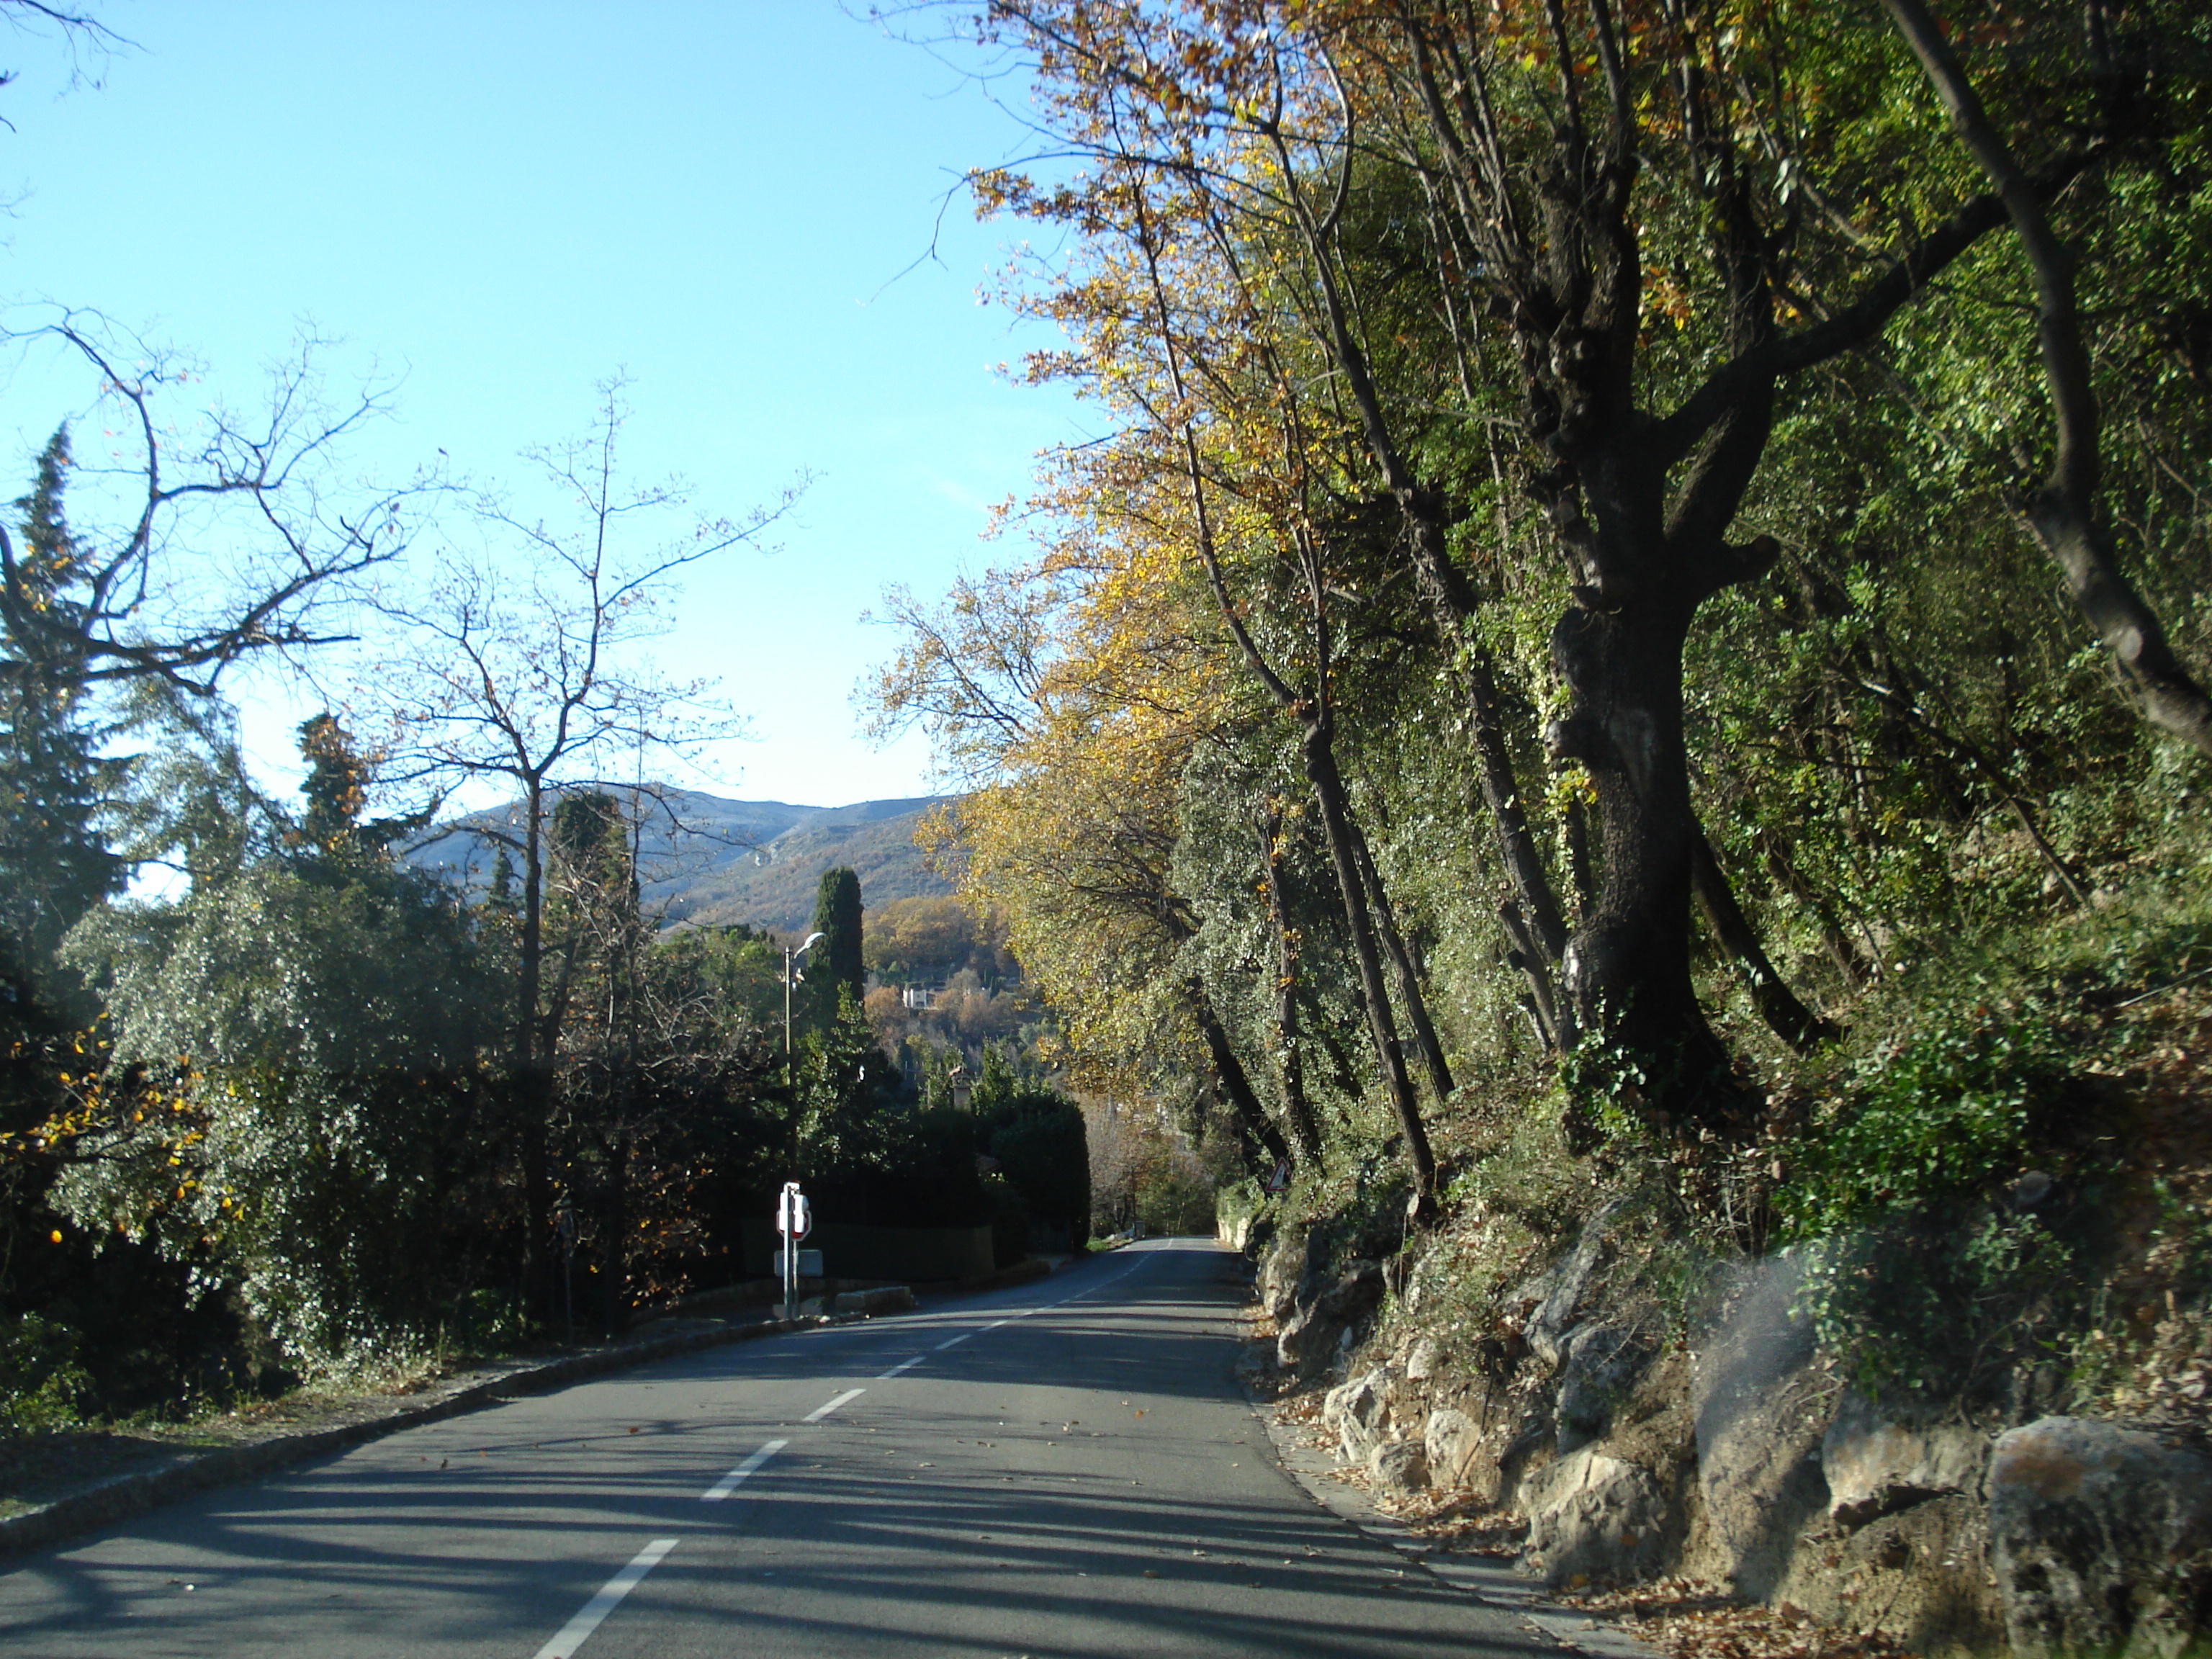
(794, 1219)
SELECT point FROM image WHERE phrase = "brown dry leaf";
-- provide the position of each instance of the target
(1688, 1619)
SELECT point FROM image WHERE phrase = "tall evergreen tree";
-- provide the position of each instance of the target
(837, 918)
(54, 864)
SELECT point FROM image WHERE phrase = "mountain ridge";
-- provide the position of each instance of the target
(711, 860)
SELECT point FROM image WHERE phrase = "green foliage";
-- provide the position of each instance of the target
(42, 1384)
(846, 1108)
(1010, 1217)
(1940, 1118)
(838, 970)
(927, 940)
(739, 970)
(1917, 1269)
(1043, 1150)
(293, 1101)
(1174, 1201)
(1939, 1301)
(55, 864)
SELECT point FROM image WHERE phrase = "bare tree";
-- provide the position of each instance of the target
(201, 540)
(515, 673)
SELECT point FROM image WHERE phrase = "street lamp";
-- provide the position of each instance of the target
(788, 1207)
(791, 976)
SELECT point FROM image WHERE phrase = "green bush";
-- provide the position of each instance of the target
(1918, 1273)
(1044, 1149)
(42, 1386)
(1940, 1118)
(1174, 1200)
(1010, 1221)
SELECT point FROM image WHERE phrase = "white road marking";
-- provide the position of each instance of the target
(736, 1477)
(904, 1365)
(574, 1633)
(953, 1341)
(821, 1412)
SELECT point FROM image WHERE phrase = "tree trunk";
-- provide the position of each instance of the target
(1628, 966)
(1320, 758)
(1254, 1126)
(532, 1082)
(1403, 967)
(2064, 514)
(1290, 1064)
(1789, 1018)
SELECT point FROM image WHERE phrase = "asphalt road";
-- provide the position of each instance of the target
(1066, 1468)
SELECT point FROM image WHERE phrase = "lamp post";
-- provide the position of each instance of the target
(789, 1205)
(791, 976)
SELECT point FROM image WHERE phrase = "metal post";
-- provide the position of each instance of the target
(791, 1225)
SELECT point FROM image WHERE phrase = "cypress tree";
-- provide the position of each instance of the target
(837, 918)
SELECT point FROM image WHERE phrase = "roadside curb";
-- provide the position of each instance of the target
(1487, 1580)
(123, 1496)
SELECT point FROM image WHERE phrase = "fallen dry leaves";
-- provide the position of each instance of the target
(1456, 1521)
(1690, 1620)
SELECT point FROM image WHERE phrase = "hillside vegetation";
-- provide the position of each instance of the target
(715, 862)
(1624, 685)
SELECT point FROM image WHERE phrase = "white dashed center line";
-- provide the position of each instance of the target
(904, 1365)
(953, 1341)
(736, 1477)
(821, 1412)
(574, 1632)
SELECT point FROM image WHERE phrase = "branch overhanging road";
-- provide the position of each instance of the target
(1064, 1470)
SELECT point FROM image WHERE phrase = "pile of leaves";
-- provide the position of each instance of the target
(1689, 1619)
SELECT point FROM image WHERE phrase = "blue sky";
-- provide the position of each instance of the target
(500, 204)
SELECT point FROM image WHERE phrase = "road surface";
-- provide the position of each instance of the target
(1066, 1468)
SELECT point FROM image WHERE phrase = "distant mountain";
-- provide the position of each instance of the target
(710, 861)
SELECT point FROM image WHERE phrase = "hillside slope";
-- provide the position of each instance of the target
(713, 861)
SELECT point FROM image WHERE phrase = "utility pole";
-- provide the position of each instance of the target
(791, 976)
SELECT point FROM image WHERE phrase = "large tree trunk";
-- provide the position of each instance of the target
(1628, 966)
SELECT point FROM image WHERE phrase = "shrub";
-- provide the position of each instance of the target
(42, 1386)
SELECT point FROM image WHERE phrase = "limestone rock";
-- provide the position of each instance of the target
(1358, 1411)
(1592, 1514)
(1451, 1440)
(1758, 1405)
(1308, 1340)
(1289, 1260)
(1599, 1363)
(1877, 1465)
(2102, 1541)
(1399, 1469)
(1425, 1362)
(1553, 1295)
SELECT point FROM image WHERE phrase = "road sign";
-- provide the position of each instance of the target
(794, 1216)
(794, 1219)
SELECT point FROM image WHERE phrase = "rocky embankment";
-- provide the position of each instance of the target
(1731, 1453)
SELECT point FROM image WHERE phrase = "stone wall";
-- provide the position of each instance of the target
(1733, 1453)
